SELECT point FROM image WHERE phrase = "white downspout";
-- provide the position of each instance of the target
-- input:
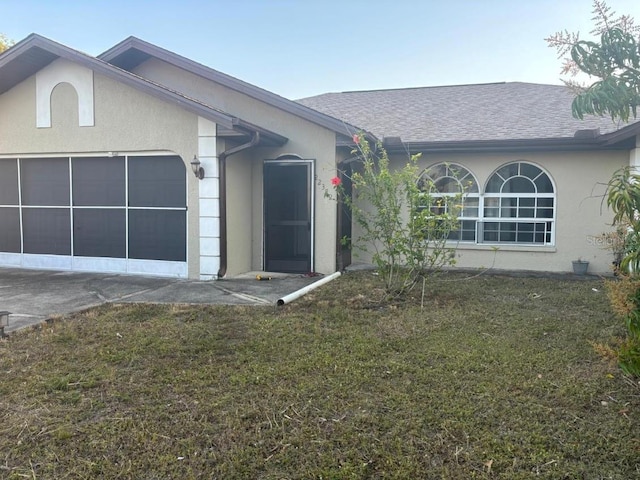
(298, 293)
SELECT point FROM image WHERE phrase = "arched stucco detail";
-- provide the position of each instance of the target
(64, 71)
(289, 156)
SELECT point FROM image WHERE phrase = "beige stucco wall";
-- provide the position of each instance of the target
(579, 179)
(126, 121)
(245, 213)
(240, 221)
(306, 139)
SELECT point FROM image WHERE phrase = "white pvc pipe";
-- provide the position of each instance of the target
(298, 293)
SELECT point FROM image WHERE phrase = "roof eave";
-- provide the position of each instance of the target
(267, 136)
(108, 70)
(625, 133)
(511, 145)
(270, 98)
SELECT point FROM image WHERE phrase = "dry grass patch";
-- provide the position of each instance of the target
(495, 378)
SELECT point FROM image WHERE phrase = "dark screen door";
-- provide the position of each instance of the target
(344, 219)
(287, 217)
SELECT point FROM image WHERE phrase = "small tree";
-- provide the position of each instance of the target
(614, 63)
(403, 228)
(5, 43)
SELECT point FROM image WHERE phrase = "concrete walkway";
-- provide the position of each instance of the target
(33, 296)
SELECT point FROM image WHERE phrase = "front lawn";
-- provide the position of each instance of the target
(496, 377)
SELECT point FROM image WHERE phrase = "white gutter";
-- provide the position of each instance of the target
(298, 293)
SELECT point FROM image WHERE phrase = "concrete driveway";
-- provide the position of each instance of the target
(33, 296)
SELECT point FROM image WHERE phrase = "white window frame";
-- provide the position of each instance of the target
(518, 220)
(478, 195)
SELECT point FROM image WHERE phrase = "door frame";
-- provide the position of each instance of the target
(292, 160)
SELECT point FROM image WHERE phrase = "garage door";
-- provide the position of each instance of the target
(123, 214)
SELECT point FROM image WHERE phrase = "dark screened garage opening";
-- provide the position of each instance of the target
(113, 207)
(157, 208)
(9, 207)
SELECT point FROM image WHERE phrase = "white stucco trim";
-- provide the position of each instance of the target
(634, 156)
(46, 262)
(157, 267)
(100, 264)
(10, 259)
(95, 264)
(209, 200)
(64, 71)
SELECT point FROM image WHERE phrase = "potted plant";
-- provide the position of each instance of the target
(580, 266)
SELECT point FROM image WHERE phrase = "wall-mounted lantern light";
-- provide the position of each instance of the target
(198, 171)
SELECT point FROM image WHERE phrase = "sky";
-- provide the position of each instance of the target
(301, 48)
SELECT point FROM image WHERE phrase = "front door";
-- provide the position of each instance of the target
(288, 231)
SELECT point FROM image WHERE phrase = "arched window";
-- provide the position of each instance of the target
(519, 206)
(447, 180)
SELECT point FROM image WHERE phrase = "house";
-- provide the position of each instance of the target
(537, 200)
(143, 161)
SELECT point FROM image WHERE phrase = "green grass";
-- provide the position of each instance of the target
(496, 377)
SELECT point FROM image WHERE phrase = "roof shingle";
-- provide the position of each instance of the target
(493, 111)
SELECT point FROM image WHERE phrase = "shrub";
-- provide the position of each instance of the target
(623, 197)
(404, 228)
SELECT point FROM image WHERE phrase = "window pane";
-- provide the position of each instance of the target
(45, 181)
(543, 184)
(525, 232)
(491, 207)
(447, 185)
(540, 232)
(518, 185)
(527, 209)
(470, 185)
(99, 233)
(544, 213)
(470, 206)
(508, 212)
(47, 230)
(530, 171)
(98, 181)
(438, 171)
(158, 234)
(157, 182)
(490, 231)
(507, 232)
(494, 185)
(468, 230)
(545, 208)
(525, 237)
(9, 182)
(448, 179)
(10, 230)
(508, 171)
(517, 232)
(508, 207)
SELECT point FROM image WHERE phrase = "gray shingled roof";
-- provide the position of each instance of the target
(495, 111)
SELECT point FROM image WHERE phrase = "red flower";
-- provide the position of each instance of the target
(335, 181)
(356, 138)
